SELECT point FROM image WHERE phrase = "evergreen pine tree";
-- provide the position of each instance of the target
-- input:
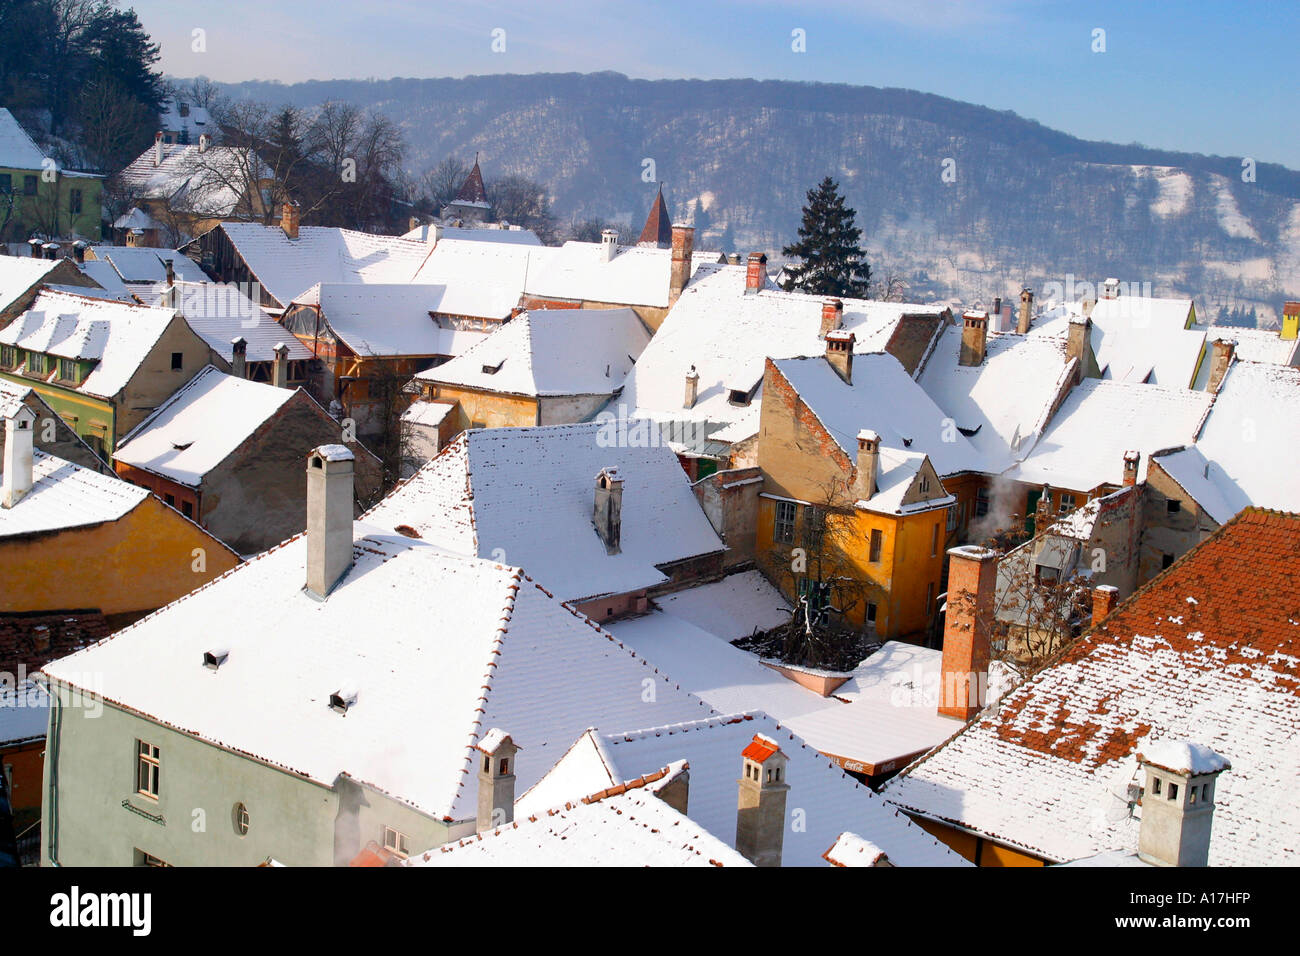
(830, 259)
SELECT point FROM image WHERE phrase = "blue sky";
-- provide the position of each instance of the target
(1214, 77)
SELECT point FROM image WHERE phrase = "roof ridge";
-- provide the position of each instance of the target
(638, 783)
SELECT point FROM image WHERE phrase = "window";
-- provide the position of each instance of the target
(395, 840)
(29, 185)
(1067, 503)
(871, 612)
(178, 361)
(1155, 786)
(815, 529)
(68, 369)
(148, 768)
(1173, 506)
(783, 530)
(981, 502)
(170, 499)
(74, 202)
(925, 483)
(934, 540)
(35, 363)
(1205, 792)
(8, 356)
(1173, 791)
(6, 183)
(241, 819)
(877, 543)
(952, 518)
(1166, 560)
(187, 509)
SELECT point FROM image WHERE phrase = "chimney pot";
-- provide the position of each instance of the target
(329, 516)
(608, 245)
(864, 482)
(289, 219)
(968, 622)
(1104, 599)
(1131, 461)
(1290, 321)
(280, 366)
(755, 273)
(839, 353)
(496, 780)
(1221, 353)
(974, 338)
(607, 509)
(158, 148)
(692, 388)
(1180, 780)
(683, 246)
(1110, 289)
(760, 810)
(1078, 342)
(239, 360)
(1026, 311)
(832, 315)
(204, 142)
(20, 428)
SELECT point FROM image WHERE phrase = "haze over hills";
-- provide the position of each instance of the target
(1027, 205)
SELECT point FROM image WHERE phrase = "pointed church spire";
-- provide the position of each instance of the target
(658, 231)
(472, 190)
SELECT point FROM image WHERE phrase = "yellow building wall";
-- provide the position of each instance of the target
(490, 409)
(138, 563)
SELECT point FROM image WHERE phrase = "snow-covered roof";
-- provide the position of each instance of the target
(732, 608)
(108, 278)
(17, 151)
(200, 426)
(1206, 652)
(635, 276)
(1245, 454)
(137, 219)
(1137, 338)
(117, 336)
(479, 232)
(633, 828)
(141, 264)
(429, 414)
(1252, 345)
(384, 319)
(852, 850)
(197, 121)
(885, 399)
(480, 279)
(503, 654)
(64, 495)
(24, 712)
(550, 352)
(726, 335)
(220, 312)
(831, 800)
(1100, 421)
(525, 495)
(193, 180)
(18, 275)
(1006, 400)
(321, 254)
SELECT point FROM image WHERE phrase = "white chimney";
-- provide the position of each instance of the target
(204, 142)
(692, 388)
(607, 509)
(280, 366)
(760, 810)
(158, 148)
(329, 516)
(1178, 801)
(20, 426)
(608, 245)
(496, 780)
(1110, 289)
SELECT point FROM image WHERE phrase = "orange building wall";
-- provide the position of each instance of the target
(25, 797)
(975, 848)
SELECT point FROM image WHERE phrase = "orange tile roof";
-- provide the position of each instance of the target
(760, 748)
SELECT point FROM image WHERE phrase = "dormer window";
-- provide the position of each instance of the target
(489, 369)
(8, 356)
(343, 698)
(215, 658)
(68, 370)
(738, 397)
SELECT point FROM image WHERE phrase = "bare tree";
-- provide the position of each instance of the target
(438, 186)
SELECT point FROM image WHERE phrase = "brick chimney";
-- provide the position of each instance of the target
(35, 245)
(20, 427)
(683, 246)
(692, 388)
(755, 273)
(1026, 311)
(329, 516)
(1290, 321)
(1180, 779)
(972, 581)
(79, 250)
(864, 479)
(607, 509)
(496, 780)
(280, 366)
(158, 148)
(289, 218)
(839, 353)
(239, 359)
(832, 316)
(1104, 599)
(1110, 289)
(608, 245)
(760, 812)
(1131, 461)
(1078, 342)
(974, 338)
(1221, 353)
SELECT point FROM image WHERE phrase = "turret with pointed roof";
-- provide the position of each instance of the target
(658, 231)
(471, 202)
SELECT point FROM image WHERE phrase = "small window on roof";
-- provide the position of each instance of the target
(738, 397)
(342, 699)
(215, 658)
(178, 361)
(489, 369)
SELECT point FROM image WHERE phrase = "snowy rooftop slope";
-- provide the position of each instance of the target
(1246, 451)
(831, 800)
(884, 399)
(852, 850)
(1137, 338)
(427, 413)
(484, 279)
(1085, 443)
(550, 352)
(117, 335)
(220, 313)
(18, 275)
(192, 181)
(105, 275)
(380, 318)
(197, 121)
(1207, 652)
(727, 336)
(635, 276)
(527, 494)
(503, 654)
(1006, 399)
(200, 425)
(139, 264)
(64, 495)
(17, 151)
(732, 608)
(1252, 345)
(634, 828)
(287, 267)
(512, 235)
(24, 711)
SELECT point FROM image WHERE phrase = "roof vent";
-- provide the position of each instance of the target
(181, 445)
(343, 698)
(215, 658)
(493, 369)
(406, 531)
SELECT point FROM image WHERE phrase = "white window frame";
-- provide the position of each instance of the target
(395, 841)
